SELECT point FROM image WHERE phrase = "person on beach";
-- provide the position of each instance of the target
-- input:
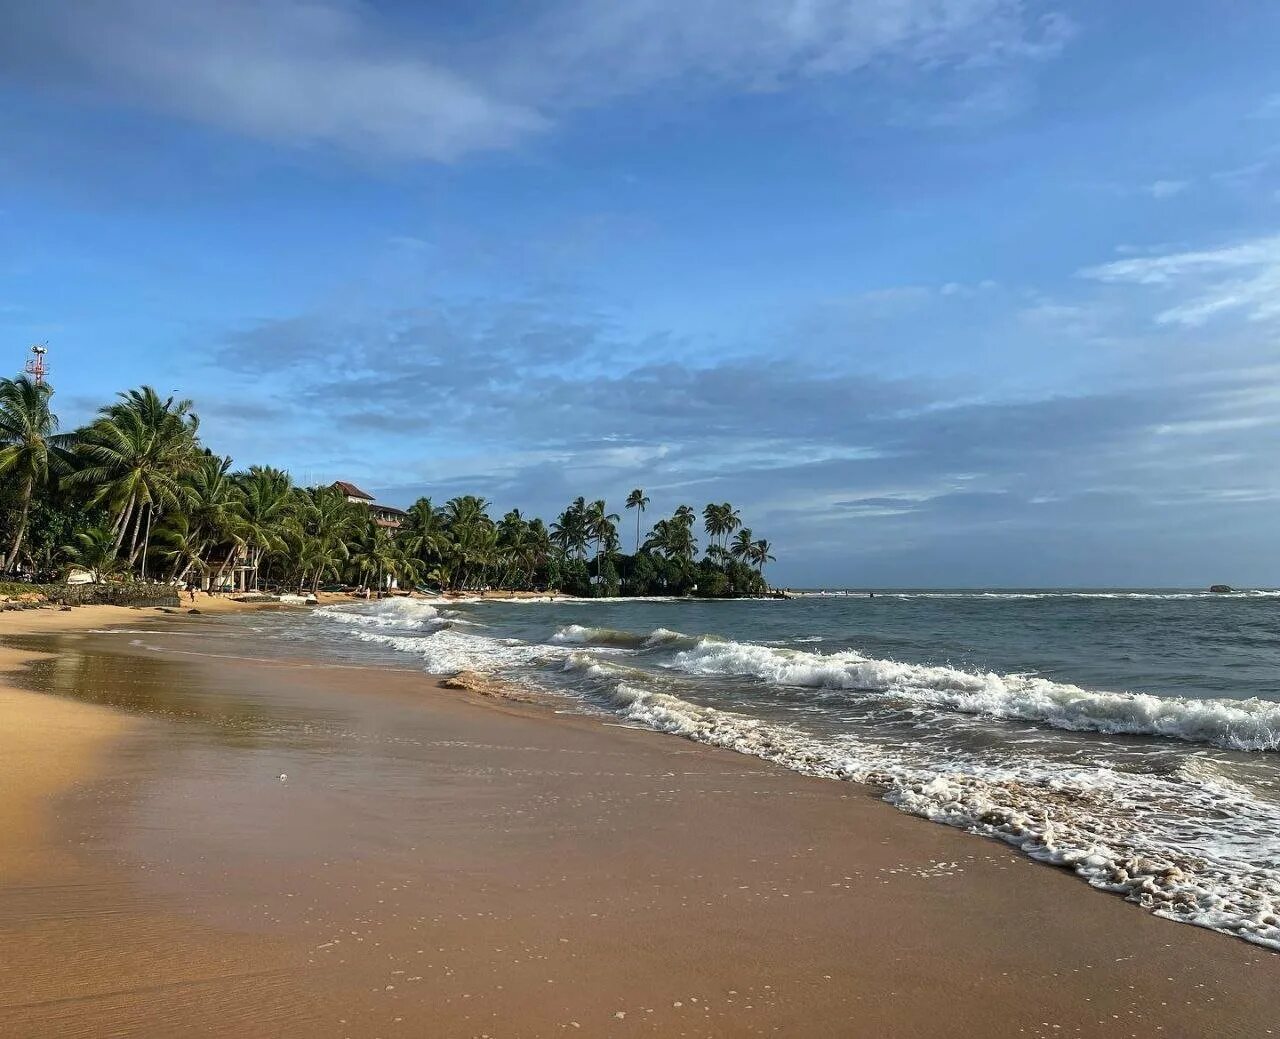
(191, 592)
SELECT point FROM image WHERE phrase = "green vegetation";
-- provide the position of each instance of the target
(135, 495)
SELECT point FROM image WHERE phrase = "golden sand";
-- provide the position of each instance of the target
(441, 863)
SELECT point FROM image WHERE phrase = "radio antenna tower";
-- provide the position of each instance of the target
(36, 367)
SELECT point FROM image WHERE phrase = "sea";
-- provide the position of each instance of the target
(1131, 736)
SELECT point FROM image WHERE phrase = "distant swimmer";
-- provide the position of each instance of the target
(871, 595)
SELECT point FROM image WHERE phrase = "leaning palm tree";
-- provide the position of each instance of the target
(760, 554)
(639, 501)
(743, 545)
(30, 451)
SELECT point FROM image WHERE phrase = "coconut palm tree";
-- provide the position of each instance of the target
(472, 537)
(742, 545)
(423, 532)
(211, 517)
(730, 520)
(375, 555)
(760, 555)
(325, 522)
(94, 551)
(639, 501)
(134, 457)
(269, 510)
(30, 447)
(571, 531)
(601, 527)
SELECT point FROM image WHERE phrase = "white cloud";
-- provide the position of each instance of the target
(1167, 188)
(339, 73)
(761, 44)
(302, 73)
(1243, 278)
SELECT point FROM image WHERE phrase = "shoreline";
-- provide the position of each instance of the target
(739, 896)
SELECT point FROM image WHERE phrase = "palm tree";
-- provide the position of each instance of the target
(423, 532)
(269, 509)
(513, 535)
(182, 542)
(472, 537)
(601, 528)
(28, 433)
(375, 555)
(730, 520)
(639, 501)
(135, 455)
(716, 522)
(742, 545)
(571, 531)
(760, 555)
(95, 551)
(325, 522)
(213, 515)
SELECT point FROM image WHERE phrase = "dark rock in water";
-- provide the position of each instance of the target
(1220, 588)
(193, 611)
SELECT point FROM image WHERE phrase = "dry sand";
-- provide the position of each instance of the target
(443, 864)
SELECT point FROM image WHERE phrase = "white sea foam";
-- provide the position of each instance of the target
(446, 651)
(1184, 840)
(584, 635)
(1080, 818)
(1250, 725)
(386, 613)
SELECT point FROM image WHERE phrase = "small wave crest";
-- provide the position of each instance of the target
(584, 635)
(388, 613)
(1248, 725)
(1074, 818)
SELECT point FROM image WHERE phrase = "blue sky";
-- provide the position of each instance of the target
(983, 292)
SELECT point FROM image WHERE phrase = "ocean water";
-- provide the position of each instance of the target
(1130, 736)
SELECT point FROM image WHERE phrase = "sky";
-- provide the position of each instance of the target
(964, 293)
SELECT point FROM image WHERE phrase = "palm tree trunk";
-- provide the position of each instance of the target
(137, 529)
(146, 542)
(27, 489)
(121, 525)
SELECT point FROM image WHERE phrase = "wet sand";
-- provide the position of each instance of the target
(439, 863)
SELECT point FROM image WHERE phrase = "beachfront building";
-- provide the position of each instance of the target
(383, 515)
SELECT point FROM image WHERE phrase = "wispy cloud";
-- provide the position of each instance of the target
(1167, 188)
(303, 73)
(1242, 278)
(340, 73)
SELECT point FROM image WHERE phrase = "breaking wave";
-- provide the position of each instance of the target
(1249, 725)
(1078, 818)
(582, 635)
(1190, 833)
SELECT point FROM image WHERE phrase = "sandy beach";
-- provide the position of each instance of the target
(442, 863)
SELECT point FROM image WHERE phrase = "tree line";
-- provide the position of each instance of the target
(135, 494)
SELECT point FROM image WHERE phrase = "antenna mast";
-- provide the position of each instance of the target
(36, 366)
